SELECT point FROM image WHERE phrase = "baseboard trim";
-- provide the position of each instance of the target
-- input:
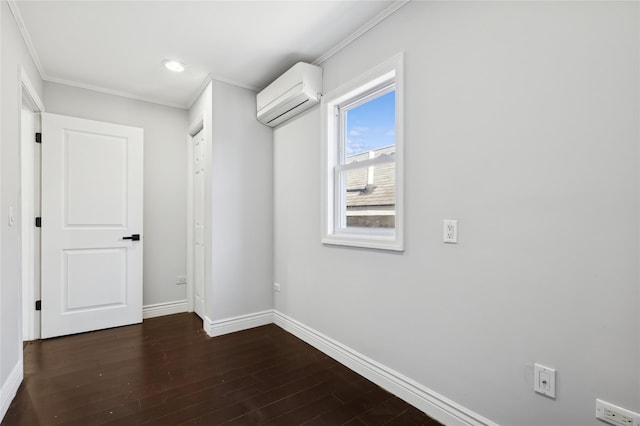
(433, 404)
(10, 388)
(239, 323)
(167, 308)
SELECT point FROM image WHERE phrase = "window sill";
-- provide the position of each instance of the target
(371, 242)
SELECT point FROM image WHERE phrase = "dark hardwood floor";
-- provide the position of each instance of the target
(167, 371)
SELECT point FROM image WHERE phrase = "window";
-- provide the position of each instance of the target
(362, 132)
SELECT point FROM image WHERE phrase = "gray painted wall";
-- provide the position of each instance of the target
(522, 123)
(241, 206)
(165, 133)
(13, 53)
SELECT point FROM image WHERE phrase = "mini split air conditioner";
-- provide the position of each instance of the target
(296, 90)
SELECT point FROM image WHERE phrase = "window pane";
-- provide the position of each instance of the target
(370, 127)
(369, 196)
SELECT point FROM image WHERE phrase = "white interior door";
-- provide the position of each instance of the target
(198, 220)
(92, 174)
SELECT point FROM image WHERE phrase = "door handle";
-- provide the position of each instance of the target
(133, 237)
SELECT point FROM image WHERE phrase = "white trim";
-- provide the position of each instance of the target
(10, 388)
(26, 89)
(17, 16)
(30, 89)
(196, 126)
(199, 92)
(15, 11)
(433, 404)
(112, 92)
(36, 59)
(360, 31)
(331, 233)
(166, 308)
(214, 77)
(239, 323)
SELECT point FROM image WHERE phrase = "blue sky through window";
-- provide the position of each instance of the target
(371, 125)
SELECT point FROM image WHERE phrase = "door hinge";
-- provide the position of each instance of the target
(38, 305)
(38, 222)
(38, 137)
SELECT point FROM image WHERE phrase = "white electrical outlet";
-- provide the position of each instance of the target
(276, 287)
(615, 415)
(450, 231)
(544, 380)
(181, 279)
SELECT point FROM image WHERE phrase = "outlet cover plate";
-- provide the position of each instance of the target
(615, 415)
(450, 231)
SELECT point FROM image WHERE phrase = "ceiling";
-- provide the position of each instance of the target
(118, 46)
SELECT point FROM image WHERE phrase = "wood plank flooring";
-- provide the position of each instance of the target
(167, 371)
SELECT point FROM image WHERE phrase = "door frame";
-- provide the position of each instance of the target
(28, 93)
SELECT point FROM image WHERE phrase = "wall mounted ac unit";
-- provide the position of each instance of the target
(296, 90)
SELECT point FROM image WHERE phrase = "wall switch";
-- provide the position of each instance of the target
(450, 231)
(181, 279)
(544, 380)
(276, 287)
(615, 415)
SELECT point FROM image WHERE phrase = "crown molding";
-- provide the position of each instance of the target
(17, 16)
(15, 11)
(199, 91)
(397, 4)
(213, 77)
(113, 92)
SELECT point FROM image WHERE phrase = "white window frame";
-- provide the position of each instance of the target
(356, 90)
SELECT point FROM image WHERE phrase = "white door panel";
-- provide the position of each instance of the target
(96, 161)
(94, 278)
(91, 198)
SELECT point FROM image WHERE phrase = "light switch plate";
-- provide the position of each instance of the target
(544, 380)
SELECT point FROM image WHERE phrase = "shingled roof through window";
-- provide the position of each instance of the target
(370, 187)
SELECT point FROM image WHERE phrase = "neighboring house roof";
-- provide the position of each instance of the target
(373, 186)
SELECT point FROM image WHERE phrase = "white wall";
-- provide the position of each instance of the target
(522, 123)
(13, 53)
(165, 130)
(241, 205)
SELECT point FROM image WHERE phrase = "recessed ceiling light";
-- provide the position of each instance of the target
(173, 65)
